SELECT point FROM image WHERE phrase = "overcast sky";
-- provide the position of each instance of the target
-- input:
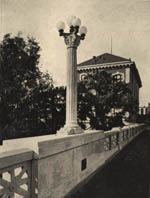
(128, 21)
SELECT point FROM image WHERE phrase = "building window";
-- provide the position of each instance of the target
(82, 76)
(118, 77)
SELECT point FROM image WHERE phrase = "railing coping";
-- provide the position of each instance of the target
(119, 129)
(14, 157)
(27, 142)
(63, 143)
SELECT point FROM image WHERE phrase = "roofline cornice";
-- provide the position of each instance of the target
(104, 65)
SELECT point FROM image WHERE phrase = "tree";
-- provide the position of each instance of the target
(58, 108)
(94, 92)
(19, 75)
(29, 103)
(39, 110)
(98, 94)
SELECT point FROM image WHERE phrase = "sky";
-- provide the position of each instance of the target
(126, 21)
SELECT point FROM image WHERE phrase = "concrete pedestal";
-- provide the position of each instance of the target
(70, 130)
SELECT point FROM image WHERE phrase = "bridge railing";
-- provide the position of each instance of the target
(17, 175)
(60, 163)
(120, 137)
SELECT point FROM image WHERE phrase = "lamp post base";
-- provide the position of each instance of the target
(70, 130)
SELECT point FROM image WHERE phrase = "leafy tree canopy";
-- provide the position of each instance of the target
(19, 70)
(98, 94)
(24, 89)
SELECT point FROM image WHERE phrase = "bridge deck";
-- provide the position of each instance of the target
(126, 176)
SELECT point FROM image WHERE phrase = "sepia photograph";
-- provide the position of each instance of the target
(74, 99)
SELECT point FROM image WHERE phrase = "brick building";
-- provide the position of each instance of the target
(121, 68)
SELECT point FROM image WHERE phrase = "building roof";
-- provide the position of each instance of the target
(102, 59)
(109, 61)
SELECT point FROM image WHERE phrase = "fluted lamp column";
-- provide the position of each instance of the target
(72, 41)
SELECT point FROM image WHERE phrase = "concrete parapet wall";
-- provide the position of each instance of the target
(59, 164)
(66, 162)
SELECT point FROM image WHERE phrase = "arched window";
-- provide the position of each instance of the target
(118, 77)
(82, 76)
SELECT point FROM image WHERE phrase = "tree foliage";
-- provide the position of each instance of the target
(98, 95)
(24, 90)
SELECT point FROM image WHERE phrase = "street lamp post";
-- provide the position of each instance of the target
(72, 41)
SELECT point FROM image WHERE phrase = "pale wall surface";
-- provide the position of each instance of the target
(30, 142)
(60, 160)
(60, 172)
(57, 167)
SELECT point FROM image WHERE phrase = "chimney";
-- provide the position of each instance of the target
(94, 58)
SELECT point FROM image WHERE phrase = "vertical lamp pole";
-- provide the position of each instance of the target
(72, 41)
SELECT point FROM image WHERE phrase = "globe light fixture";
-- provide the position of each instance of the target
(60, 27)
(69, 20)
(83, 32)
(76, 22)
(72, 41)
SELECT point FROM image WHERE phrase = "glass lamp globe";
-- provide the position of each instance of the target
(69, 20)
(76, 22)
(60, 25)
(83, 30)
